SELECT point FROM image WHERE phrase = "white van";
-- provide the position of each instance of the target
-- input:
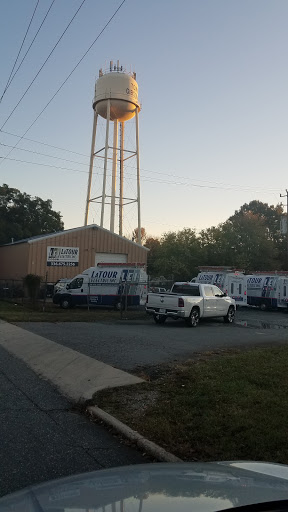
(108, 284)
(230, 281)
(61, 284)
(268, 290)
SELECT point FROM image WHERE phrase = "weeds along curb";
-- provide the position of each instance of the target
(141, 442)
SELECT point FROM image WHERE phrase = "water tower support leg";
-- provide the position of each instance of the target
(114, 175)
(138, 177)
(105, 164)
(91, 167)
(121, 178)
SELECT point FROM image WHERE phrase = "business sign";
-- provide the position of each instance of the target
(62, 256)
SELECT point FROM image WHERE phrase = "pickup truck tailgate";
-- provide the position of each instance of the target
(162, 301)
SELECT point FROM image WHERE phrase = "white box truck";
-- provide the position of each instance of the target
(231, 281)
(106, 285)
(268, 290)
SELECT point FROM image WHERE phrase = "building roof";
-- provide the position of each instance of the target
(33, 239)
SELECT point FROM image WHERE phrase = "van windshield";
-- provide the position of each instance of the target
(186, 289)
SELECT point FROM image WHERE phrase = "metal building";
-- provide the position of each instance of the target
(67, 253)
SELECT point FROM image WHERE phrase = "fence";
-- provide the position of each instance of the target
(15, 289)
(121, 295)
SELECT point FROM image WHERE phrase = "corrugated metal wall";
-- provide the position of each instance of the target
(89, 241)
(14, 261)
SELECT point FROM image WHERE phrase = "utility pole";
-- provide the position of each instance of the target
(286, 195)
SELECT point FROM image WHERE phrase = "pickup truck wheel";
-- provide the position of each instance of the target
(159, 319)
(65, 304)
(230, 317)
(193, 319)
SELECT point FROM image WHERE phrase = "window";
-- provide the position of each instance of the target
(240, 288)
(217, 291)
(232, 287)
(186, 289)
(208, 291)
(76, 283)
(284, 290)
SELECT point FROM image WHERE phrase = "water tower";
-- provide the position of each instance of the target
(116, 100)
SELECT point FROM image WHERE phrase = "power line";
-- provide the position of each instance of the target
(43, 143)
(7, 84)
(230, 185)
(31, 44)
(44, 63)
(126, 167)
(148, 179)
(43, 165)
(67, 78)
(43, 154)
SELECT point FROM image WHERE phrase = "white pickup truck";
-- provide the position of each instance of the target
(191, 301)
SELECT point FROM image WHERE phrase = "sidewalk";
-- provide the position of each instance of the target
(42, 436)
(76, 375)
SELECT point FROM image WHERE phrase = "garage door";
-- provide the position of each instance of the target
(108, 257)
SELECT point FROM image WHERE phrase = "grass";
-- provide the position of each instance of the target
(225, 407)
(24, 312)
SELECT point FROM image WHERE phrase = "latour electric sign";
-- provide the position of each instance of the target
(62, 256)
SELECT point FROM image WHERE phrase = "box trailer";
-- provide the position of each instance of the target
(231, 281)
(268, 290)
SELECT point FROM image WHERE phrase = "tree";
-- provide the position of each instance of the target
(270, 215)
(23, 216)
(32, 284)
(244, 243)
(153, 244)
(249, 239)
(177, 255)
(211, 241)
(135, 235)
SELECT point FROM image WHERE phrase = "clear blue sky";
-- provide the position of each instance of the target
(213, 82)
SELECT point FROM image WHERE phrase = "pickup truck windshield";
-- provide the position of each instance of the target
(186, 289)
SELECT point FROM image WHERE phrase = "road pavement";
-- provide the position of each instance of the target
(42, 437)
(133, 345)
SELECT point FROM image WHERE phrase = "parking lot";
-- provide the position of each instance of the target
(131, 345)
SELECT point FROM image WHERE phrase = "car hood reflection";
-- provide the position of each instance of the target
(201, 487)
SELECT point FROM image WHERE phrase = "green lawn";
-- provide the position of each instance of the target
(221, 407)
(19, 312)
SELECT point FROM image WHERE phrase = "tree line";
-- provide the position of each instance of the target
(250, 240)
(23, 216)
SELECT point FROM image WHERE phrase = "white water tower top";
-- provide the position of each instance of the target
(122, 90)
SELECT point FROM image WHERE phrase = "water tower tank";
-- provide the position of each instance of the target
(122, 89)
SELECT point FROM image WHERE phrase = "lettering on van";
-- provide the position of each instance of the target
(103, 276)
(206, 277)
(254, 282)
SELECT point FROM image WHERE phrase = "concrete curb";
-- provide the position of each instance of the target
(144, 444)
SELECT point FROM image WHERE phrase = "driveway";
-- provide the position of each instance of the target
(132, 345)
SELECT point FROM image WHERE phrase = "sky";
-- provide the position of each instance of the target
(213, 126)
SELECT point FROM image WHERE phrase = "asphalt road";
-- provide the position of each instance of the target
(42, 437)
(133, 345)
